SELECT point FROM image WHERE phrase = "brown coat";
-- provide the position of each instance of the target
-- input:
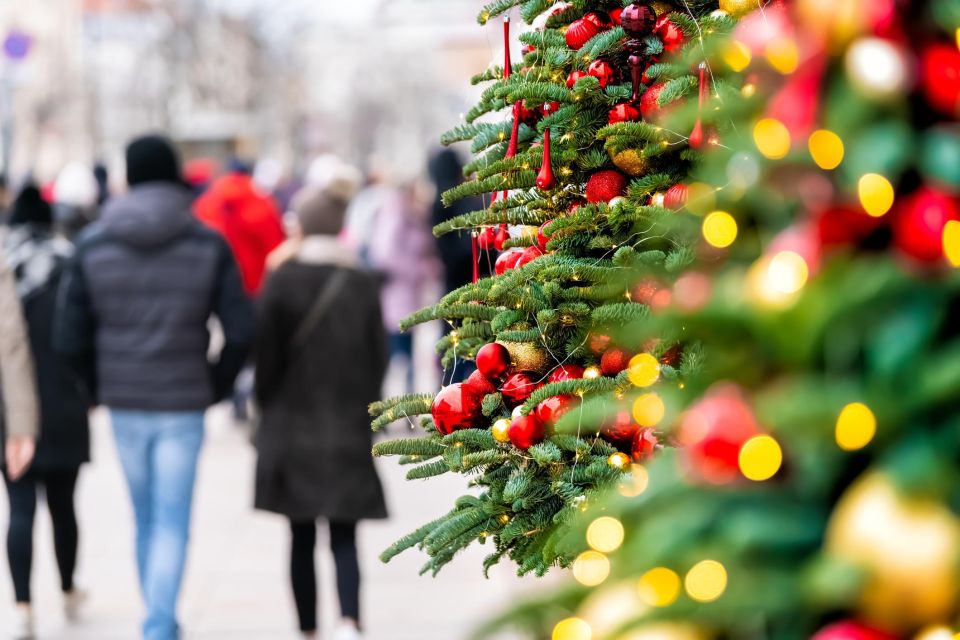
(20, 411)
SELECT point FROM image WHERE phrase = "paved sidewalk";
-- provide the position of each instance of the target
(236, 585)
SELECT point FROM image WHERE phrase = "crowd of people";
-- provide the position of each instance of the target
(111, 300)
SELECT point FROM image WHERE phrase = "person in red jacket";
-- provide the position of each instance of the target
(248, 219)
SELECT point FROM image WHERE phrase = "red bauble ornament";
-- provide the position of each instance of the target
(598, 20)
(614, 361)
(698, 137)
(545, 179)
(624, 112)
(553, 408)
(605, 185)
(478, 383)
(919, 221)
(566, 372)
(643, 445)
(638, 20)
(487, 238)
(519, 386)
(845, 225)
(493, 360)
(649, 108)
(851, 630)
(940, 77)
(615, 15)
(549, 107)
(507, 260)
(603, 71)
(579, 33)
(675, 197)
(644, 291)
(619, 429)
(598, 343)
(528, 116)
(503, 234)
(670, 33)
(573, 77)
(671, 357)
(576, 204)
(713, 430)
(526, 431)
(529, 255)
(542, 237)
(456, 407)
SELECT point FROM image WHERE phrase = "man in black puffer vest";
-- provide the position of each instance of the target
(133, 312)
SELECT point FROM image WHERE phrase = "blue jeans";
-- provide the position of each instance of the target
(158, 452)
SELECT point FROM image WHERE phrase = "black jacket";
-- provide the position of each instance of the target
(135, 303)
(314, 440)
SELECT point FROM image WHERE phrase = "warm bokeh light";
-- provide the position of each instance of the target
(659, 587)
(644, 370)
(701, 198)
(618, 460)
(736, 55)
(572, 629)
(706, 581)
(951, 242)
(719, 229)
(788, 272)
(772, 138)
(936, 632)
(648, 410)
(635, 482)
(826, 149)
(856, 426)
(782, 55)
(591, 568)
(875, 193)
(760, 458)
(592, 372)
(605, 534)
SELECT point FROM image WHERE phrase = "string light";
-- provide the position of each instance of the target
(788, 272)
(572, 629)
(591, 568)
(760, 458)
(644, 370)
(706, 581)
(736, 55)
(659, 587)
(826, 148)
(875, 193)
(648, 410)
(772, 138)
(719, 229)
(605, 534)
(634, 483)
(951, 242)
(856, 426)
(592, 372)
(783, 56)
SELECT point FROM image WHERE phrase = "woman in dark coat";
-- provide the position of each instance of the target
(321, 355)
(37, 258)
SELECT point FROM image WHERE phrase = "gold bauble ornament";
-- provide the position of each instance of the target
(526, 356)
(630, 162)
(661, 7)
(618, 460)
(501, 430)
(665, 631)
(737, 8)
(909, 548)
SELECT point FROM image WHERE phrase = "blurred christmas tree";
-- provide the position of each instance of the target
(815, 488)
(606, 115)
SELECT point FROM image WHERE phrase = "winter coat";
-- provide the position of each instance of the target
(249, 220)
(136, 299)
(455, 249)
(17, 381)
(314, 439)
(37, 259)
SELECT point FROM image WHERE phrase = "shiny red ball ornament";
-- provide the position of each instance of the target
(605, 185)
(614, 361)
(600, 21)
(487, 238)
(549, 107)
(526, 431)
(493, 360)
(479, 383)
(507, 260)
(624, 112)
(574, 77)
(519, 386)
(576, 204)
(542, 237)
(645, 78)
(851, 630)
(553, 408)
(529, 255)
(502, 235)
(675, 198)
(940, 77)
(638, 20)
(919, 221)
(619, 429)
(669, 33)
(615, 16)
(649, 108)
(598, 343)
(603, 71)
(456, 407)
(529, 116)
(566, 372)
(844, 225)
(712, 431)
(643, 445)
(579, 33)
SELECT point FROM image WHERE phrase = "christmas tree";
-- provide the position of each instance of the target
(813, 491)
(585, 147)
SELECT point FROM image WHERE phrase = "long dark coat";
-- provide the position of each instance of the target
(314, 439)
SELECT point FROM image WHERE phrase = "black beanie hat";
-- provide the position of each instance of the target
(152, 159)
(30, 208)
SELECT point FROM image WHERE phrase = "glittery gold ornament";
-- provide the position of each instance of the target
(661, 7)
(738, 8)
(908, 547)
(526, 356)
(500, 430)
(630, 161)
(618, 460)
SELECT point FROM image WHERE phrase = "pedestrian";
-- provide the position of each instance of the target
(320, 358)
(134, 308)
(76, 192)
(37, 259)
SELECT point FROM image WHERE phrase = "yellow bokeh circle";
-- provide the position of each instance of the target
(736, 55)
(826, 149)
(635, 482)
(875, 193)
(788, 272)
(772, 138)
(648, 410)
(951, 242)
(706, 581)
(572, 629)
(605, 534)
(719, 229)
(856, 426)
(591, 568)
(659, 587)
(643, 370)
(782, 54)
(760, 458)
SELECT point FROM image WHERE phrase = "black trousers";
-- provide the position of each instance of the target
(303, 572)
(59, 488)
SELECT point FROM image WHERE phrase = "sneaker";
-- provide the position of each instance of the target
(23, 623)
(347, 631)
(73, 601)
